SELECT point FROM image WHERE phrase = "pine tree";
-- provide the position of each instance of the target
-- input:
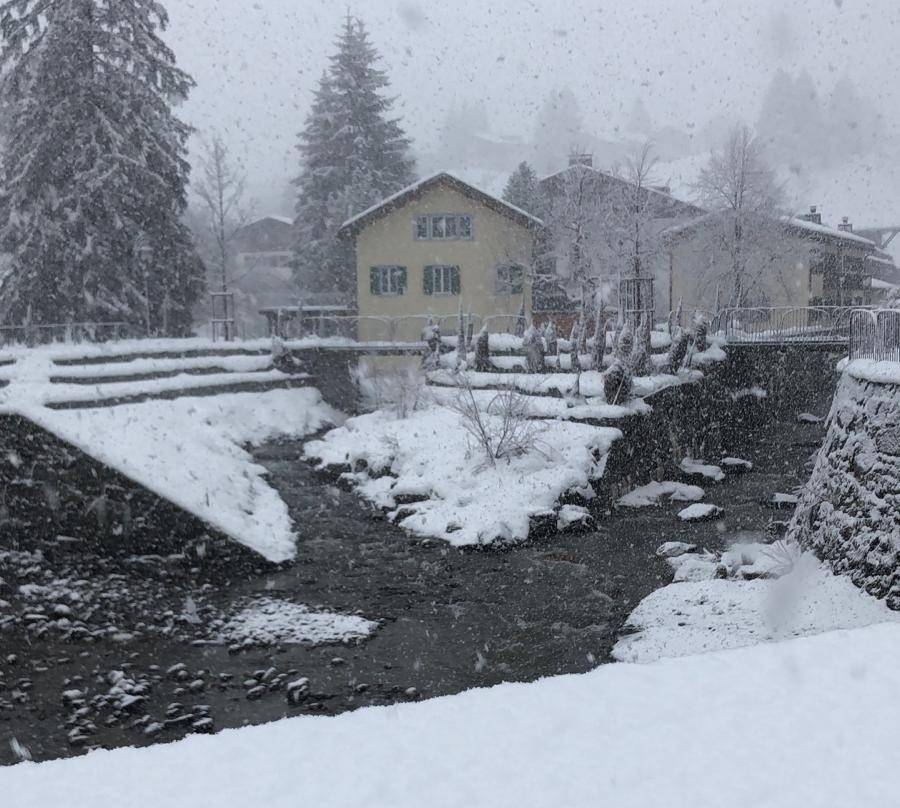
(523, 191)
(352, 155)
(92, 185)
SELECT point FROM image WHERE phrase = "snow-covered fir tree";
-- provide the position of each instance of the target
(353, 154)
(523, 191)
(92, 190)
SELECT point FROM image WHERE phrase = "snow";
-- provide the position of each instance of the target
(868, 370)
(270, 621)
(588, 409)
(783, 500)
(429, 180)
(807, 722)
(190, 451)
(698, 467)
(429, 455)
(714, 353)
(651, 494)
(588, 384)
(138, 366)
(833, 232)
(711, 615)
(699, 512)
(573, 516)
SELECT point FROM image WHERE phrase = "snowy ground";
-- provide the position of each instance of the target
(700, 613)
(190, 451)
(808, 722)
(430, 456)
(269, 621)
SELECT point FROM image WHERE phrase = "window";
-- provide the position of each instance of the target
(443, 227)
(387, 280)
(441, 280)
(510, 279)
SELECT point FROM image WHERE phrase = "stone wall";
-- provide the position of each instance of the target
(849, 513)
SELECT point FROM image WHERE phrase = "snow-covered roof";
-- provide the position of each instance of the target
(790, 221)
(398, 199)
(881, 259)
(651, 189)
(825, 230)
(877, 283)
(275, 217)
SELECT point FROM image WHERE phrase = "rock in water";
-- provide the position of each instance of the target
(701, 512)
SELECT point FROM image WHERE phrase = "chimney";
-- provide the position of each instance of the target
(813, 216)
(845, 225)
(581, 159)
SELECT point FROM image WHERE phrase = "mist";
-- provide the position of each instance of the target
(695, 67)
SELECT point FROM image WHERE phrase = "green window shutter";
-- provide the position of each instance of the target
(428, 281)
(401, 280)
(374, 280)
(454, 280)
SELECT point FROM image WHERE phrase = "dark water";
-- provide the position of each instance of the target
(450, 619)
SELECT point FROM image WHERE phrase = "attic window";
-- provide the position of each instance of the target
(443, 227)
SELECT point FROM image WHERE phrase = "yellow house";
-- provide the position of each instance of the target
(435, 247)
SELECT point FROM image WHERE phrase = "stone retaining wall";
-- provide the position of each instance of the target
(849, 513)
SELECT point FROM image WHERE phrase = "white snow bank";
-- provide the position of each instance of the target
(651, 494)
(428, 455)
(588, 384)
(699, 512)
(30, 386)
(699, 468)
(712, 615)
(269, 621)
(588, 409)
(189, 451)
(142, 365)
(714, 353)
(810, 722)
(867, 370)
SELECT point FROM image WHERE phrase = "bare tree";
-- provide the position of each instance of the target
(747, 240)
(575, 238)
(634, 215)
(631, 214)
(500, 427)
(221, 192)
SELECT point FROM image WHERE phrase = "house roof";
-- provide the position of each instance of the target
(610, 176)
(276, 217)
(813, 230)
(417, 189)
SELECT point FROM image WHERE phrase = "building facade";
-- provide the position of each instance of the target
(792, 262)
(439, 247)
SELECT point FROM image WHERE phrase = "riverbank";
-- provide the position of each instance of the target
(447, 619)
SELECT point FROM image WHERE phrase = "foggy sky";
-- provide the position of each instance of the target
(256, 62)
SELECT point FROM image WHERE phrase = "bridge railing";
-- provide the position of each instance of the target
(784, 324)
(387, 328)
(875, 335)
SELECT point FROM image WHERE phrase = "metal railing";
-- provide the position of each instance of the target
(385, 328)
(44, 334)
(784, 324)
(875, 335)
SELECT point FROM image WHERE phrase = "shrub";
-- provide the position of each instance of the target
(502, 429)
(617, 383)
